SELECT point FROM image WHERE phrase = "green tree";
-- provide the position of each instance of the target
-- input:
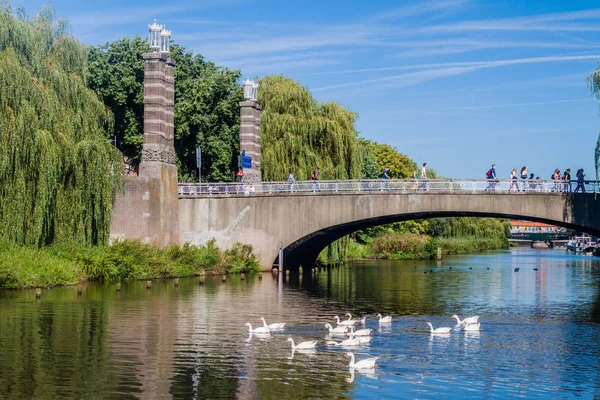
(400, 165)
(206, 105)
(206, 115)
(439, 227)
(299, 134)
(58, 172)
(369, 167)
(116, 73)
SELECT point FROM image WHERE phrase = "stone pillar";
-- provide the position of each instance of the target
(159, 95)
(148, 209)
(250, 138)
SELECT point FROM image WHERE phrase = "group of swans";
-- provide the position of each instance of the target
(350, 322)
(266, 329)
(470, 324)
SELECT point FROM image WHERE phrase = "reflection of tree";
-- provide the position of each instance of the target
(397, 292)
(55, 350)
(305, 377)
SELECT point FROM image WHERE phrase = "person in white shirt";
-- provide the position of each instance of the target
(291, 180)
(424, 176)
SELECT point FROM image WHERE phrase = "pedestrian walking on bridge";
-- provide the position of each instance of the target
(424, 177)
(385, 176)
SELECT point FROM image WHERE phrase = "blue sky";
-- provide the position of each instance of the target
(456, 83)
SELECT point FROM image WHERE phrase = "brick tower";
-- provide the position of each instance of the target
(250, 132)
(149, 207)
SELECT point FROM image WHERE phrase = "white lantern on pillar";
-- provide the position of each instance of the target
(165, 40)
(255, 91)
(250, 90)
(248, 85)
(154, 36)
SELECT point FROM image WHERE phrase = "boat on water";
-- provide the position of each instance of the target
(582, 245)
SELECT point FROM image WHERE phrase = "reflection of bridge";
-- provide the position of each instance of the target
(305, 222)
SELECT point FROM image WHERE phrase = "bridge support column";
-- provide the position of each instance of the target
(250, 131)
(148, 209)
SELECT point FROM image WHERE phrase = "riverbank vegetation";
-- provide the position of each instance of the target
(31, 266)
(419, 240)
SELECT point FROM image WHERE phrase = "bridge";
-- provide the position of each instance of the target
(307, 216)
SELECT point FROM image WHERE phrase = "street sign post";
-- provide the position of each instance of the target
(199, 162)
(246, 161)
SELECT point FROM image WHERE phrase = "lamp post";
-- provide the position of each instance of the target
(250, 90)
(165, 40)
(154, 36)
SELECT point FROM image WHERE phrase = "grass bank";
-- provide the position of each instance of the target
(409, 246)
(27, 267)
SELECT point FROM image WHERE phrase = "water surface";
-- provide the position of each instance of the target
(539, 334)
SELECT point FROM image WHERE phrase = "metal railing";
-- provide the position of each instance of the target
(396, 186)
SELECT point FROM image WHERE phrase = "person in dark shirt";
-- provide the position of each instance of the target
(580, 181)
(567, 180)
(385, 176)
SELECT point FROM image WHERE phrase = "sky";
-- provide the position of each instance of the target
(459, 84)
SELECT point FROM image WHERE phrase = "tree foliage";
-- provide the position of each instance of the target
(206, 105)
(116, 73)
(369, 167)
(57, 170)
(299, 134)
(206, 114)
(400, 165)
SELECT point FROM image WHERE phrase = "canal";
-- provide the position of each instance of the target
(539, 335)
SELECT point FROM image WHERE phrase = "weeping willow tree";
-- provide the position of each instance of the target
(57, 170)
(299, 134)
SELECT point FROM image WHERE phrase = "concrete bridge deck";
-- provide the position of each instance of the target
(305, 222)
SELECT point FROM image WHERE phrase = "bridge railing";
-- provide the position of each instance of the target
(379, 185)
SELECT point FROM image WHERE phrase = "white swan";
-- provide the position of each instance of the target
(384, 320)
(259, 330)
(347, 342)
(368, 363)
(339, 330)
(472, 327)
(347, 322)
(360, 332)
(277, 326)
(361, 339)
(438, 330)
(311, 344)
(363, 321)
(469, 320)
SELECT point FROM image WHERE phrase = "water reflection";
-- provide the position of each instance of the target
(539, 334)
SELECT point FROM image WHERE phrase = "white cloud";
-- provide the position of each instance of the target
(434, 71)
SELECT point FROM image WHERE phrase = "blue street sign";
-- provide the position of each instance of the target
(246, 162)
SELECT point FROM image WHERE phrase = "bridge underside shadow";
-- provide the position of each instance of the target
(304, 252)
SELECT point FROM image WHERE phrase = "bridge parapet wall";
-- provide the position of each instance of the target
(306, 224)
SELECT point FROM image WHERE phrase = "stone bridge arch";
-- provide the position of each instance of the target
(306, 223)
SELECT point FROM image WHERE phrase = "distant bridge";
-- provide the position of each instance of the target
(307, 216)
